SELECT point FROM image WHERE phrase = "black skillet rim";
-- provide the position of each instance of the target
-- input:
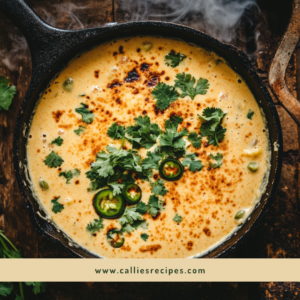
(166, 25)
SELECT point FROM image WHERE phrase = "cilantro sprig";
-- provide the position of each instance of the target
(131, 220)
(144, 236)
(56, 206)
(212, 127)
(172, 59)
(250, 114)
(191, 162)
(87, 115)
(116, 131)
(80, 130)
(177, 218)
(7, 93)
(219, 160)
(69, 174)
(164, 95)
(95, 226)
(53, 160)
(158, 188)
(186, 83)
(58, 141)
(194, 139)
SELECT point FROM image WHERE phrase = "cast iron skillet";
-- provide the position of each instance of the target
(52, 48)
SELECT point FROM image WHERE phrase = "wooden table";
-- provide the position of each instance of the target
(277, 235)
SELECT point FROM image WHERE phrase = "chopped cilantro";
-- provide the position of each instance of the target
(53, 160)
(172, 59)
(87, 115)
(177, 218)
(218, 158)
(185, 82)
(6, 288)
(80, 130)
(142, 208)
(143, 134)
(164, 95)
(250, 114)
(191, 162)
(194, 139)
(37, 287)
(212, 127)
(158, 188)
(116, 131)
(69, 174)
(152, 160)
(56, 206)
(76, 172)
(154, 205)
(95, 225)
(6, 93)
(144, 236)
(58, 141)
(131, 220)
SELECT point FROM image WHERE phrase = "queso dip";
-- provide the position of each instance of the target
(148, 147)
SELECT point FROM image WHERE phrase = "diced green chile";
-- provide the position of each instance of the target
(43, 184)
(253, 166)
(115, 238)
(68, 85)
(107, 205)
(171, 169)
(132, 193)
(239, 214)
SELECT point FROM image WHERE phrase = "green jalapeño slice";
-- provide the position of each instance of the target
(132, 193)
(115, 238)
(171, 169)
(107, 205)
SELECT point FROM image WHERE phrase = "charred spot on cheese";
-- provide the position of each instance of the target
(132, 76)
(145, 67)
(150, 248)
(57, 115)
(121, 50)
(115, 83)
(97, 73)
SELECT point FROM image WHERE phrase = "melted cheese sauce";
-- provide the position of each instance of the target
(207, 200)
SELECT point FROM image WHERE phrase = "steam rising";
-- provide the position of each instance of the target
(219, 18)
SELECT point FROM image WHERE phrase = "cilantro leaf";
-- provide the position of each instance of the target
(6, 93)
(212, 127)
(38, 287)
(250, 114)
(172, 59)
(154, 205)
(141, 208)
(158, 188)
(76, 172)
(177, 218)
(191, 162)
(143, 134)
(58, 141)
(6, 287)
(117, 187)
(194, 139)
(144, 236)
(68, 175)
(218, 158)
(87, 115)
(95, 225)
(80, 130)
(164, 95)
(116, 131)
(131, 220)
(56, 206)
(152, 160)
(53, 160)
(185, 82)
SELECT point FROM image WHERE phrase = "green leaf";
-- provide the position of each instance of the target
(172, 59)
(152, 160)
(80, 130)
(76, 172)
(154, 205)
(177, 218)
(144, 236)
(53, 160)
(116, 131)
(158, 188)
(130, 215)
(191, 162)
(142, 208)
(58, 141)
(250, 114)
(6, 93)
(68, 175)
(185, 82)
(212, 127)
(164, 95)
(56, 206)
(95, 225)
(219, 160)
(117, 187)
(6, 287)
(87, 115)
(194, 139)
(38, 287)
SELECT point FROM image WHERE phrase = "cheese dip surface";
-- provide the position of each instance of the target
(148, 147)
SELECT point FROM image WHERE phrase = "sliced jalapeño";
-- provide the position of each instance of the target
(115, 238)
(171, 169)
(132, 193)
(107, 205)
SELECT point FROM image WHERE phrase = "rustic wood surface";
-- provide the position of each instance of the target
(277, 235)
